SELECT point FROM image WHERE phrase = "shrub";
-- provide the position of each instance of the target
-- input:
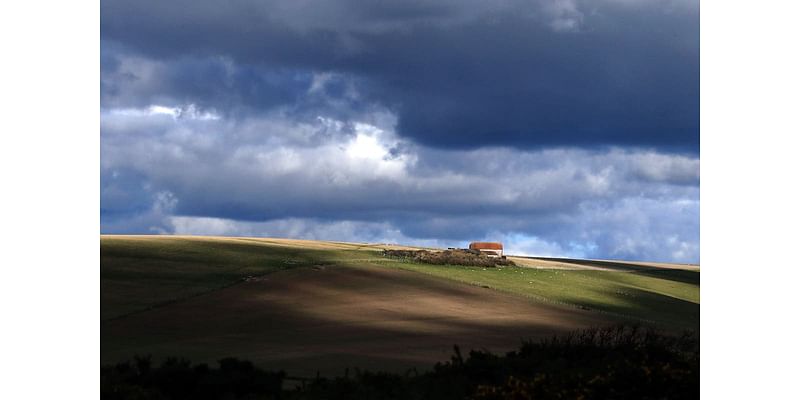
(449, 257)
(622, 362)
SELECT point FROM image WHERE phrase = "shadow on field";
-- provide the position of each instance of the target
(305, 320)
(140, 273)
(639, 305)
(676, 275)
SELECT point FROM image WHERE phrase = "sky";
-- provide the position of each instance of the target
(558, 127)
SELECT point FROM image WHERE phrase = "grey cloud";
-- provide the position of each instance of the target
(457, 75)
(213, 170)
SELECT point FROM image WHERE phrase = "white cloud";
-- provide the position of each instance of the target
(520, 244)
(564, 15)
(189, 111)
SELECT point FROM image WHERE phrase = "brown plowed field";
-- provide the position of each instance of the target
(328, 318)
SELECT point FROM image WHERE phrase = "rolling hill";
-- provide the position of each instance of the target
(308, 306)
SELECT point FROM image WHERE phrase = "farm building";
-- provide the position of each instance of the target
(489, 248)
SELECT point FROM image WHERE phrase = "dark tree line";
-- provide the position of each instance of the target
(611, 363)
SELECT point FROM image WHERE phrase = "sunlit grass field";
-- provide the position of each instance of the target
(669, 298)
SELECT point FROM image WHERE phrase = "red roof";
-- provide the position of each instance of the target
(485, 246)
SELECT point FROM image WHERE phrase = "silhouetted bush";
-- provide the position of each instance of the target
(611, 363)
(178, 379)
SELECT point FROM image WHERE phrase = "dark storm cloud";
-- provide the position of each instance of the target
(211, 82)
(456, 74)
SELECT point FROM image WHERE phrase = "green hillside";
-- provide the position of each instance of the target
(308, 306)
(138, 273)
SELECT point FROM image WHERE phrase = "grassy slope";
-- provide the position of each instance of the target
(141, 272)
(669, 298)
